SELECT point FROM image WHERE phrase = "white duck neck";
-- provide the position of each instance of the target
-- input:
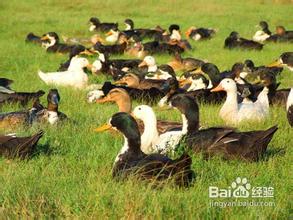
(150, 133)
(290, 99)
(231, 105)
(123, 150)
(152, 68)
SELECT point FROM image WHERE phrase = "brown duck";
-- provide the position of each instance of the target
(122, 99)
(11, 146)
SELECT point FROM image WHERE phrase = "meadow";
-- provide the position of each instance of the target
(70, 174)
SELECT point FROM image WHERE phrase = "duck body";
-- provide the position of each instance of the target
(151, 140)
(11, 146)
(132, 161)
(74, 77)
(200, 33)
(221, 141)
(110, 49)
(185, 64)
(36, 114)
(235, 41)
(96, 25)
(290, 108)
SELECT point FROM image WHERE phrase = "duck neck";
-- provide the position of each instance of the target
(130, 145)
(124, 104)
(52, 107)
(230, 106)
(190, 122)
(150, 133)
(152, 68)
(290, 99)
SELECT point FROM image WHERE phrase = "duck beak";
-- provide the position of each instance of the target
(120, 81)
(187, 33)
(86, 52)
(218, 88)
(198, 70)
(45, 38)
(102, 128)
(143, 63)
(275, 64)
(109, 33)
(183, 82)
(89, 66)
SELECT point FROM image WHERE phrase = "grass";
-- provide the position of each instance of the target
(71, 174)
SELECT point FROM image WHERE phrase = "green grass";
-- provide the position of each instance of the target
(71, 175)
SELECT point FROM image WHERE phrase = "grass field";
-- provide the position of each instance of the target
(71, 174)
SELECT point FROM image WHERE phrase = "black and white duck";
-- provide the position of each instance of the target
(235, 41)
(97, 25)
(221, 141)
(131, 161)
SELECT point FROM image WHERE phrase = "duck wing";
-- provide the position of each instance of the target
(231, 144)
(11, 146)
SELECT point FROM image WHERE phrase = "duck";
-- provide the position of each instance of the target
(283, 34)
(148, 96)
(110, 49)
(290, 107)
(252, 73)
(36, 114)
(220, 141)
(141, 32)
(133, 81)
(7, 95)
(232, 112)
(21, 147)
(132, 161)
(151, 140)
(74, 77)
(52, 44)
(185, 64)
(285, 59)
(150, 63)
(194, 82)
(96, 25)
(235, 41)
(124, 103)
(263, 34)
(200, 33)
(156, 47)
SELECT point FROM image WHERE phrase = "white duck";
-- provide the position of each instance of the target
(151, 141)
(233, 113)
(74, 76)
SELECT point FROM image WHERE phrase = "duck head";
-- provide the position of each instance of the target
(50, 39)
(5, 83)
(166, 72)
(174, 30)
(280, 30)
(112, 35)
(78, 63)
(234, 35)
(127, 125)
(130, 79)
(286, 59)
(150, 62)
(227, 84)
(212, 71)
(236, 70)
(189, 111)
(94, 23)
(120, 97)
(129, 24)
(53, 99)
(189, 30)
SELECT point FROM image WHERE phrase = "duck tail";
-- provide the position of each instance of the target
(27, 147)
(265, 139)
